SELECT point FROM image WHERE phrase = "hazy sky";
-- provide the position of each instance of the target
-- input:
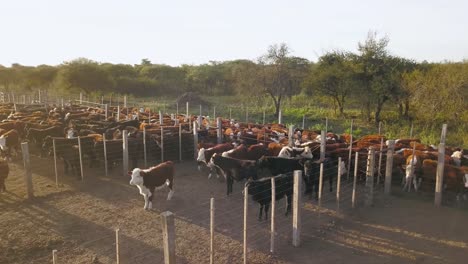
(192, 32)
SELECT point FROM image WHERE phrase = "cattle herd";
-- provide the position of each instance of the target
(249, 152)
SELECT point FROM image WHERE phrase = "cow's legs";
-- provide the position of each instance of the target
(288, 207)
(2, 185)
(260, 212)
(266, 207)
(146, 196)
(171, 192)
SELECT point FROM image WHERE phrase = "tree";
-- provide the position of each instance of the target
(84, 75)
(280, 75)
(378, 73)
(333, 76)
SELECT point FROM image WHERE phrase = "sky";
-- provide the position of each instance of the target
(178, 32)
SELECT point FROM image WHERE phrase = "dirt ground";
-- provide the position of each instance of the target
(79, 218)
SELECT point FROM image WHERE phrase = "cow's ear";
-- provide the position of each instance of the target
(129, 173)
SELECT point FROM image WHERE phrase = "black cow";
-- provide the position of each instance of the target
(260, 190)
(312, 174)
(270, 165)
(234, 169)
(67, 149)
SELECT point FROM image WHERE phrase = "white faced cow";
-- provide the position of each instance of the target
(153, 178)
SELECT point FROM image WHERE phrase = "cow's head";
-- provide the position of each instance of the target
(307, 153)
(136, 177)
(201, 159)
(3, 143)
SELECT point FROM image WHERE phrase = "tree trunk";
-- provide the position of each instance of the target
(406, 114)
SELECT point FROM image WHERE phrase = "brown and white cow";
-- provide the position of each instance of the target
(9, 141)
(147, 180)
(204, 155)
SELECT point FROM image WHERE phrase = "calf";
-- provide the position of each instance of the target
(233, 169)
(9, 141)
(4, 170)
(153, 178)
(260, 190)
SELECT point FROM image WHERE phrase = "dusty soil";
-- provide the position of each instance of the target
(79, 218)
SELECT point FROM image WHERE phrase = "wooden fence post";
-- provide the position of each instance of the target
(214, 112)
(125, 151)
(212, 224)
(353, 196)
(326, 124)
(54, 256)
(380, 127)
(125, 102)
(440, 168)
(320, 184)
(162, 144)
(118, 113)
(117, 254)
(168, 230)
(27, 169)
(389, 167)
(273, 213)
(263, 117)
(104, 145)
(338, 182)
(161, 121)
(144, 147)
(187, 111)
(246, 115)
(303, 122)
(290, 136)
(180, 142)
(177, 109)
(246, 204)
(323, 142)
(280, 117)
(195, 140)
(219, 130)
(297, 205)
(106, 111)
(411, 131)
(370, 177)
(55, 161)
(379, 173)
(350, 150)
(80, 151)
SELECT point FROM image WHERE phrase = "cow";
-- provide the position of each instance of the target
(67, 149)
(455, 178)
(311, 174)
(254, 152)
(204, 155)
(9, 141)
(233, 169)
(4, 170)
(457, 157)
(38, 135)
(412, 170)
(147, 180)
(268, 165)
(260, 190)
(291, 152)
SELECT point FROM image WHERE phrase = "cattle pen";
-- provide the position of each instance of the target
(91, 213)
